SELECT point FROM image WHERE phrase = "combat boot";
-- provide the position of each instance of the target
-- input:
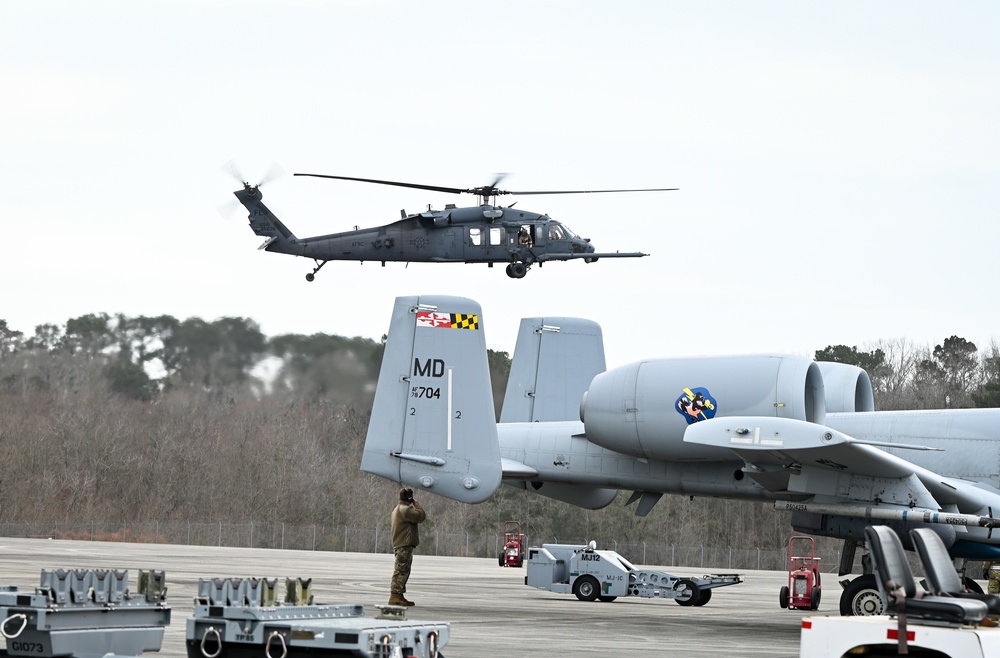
(397, 599)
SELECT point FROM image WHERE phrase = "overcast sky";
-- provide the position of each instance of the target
(838, 163)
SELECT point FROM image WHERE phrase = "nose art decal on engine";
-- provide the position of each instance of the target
(696, 404)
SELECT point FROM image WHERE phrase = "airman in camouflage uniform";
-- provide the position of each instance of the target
(405, 537)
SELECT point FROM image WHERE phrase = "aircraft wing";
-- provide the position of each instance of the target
(800, 458)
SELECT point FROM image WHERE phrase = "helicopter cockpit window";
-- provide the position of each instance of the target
(476, 236)
(496, 236)
(559, 232)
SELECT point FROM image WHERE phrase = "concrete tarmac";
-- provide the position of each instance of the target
(490, 609)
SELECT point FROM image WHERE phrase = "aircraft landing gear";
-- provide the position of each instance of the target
(319, 265)
(861, 597)
(517, 270)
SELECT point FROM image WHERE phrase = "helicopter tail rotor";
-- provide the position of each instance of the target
(251, 190)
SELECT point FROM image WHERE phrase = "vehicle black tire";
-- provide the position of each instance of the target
(586, 588)
(511, 275)
(688, 592)
(861, 598)
(814, 599)
(518, 270)
(783, 596)
(972, 585)
(500, 559)
(520, 561)
(706, 596)
(310, 277)
(606, 599)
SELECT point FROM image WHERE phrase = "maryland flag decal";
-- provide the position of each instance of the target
(447, 320)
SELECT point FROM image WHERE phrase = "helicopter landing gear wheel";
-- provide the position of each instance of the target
(312, 275)
(508, 271)
(517, 270)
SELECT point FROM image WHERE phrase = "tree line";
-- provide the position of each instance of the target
(155, 418)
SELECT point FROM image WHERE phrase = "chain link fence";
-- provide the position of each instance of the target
(377, 540)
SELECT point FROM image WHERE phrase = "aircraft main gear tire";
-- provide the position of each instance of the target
(705, 597)
(586, 588)
(518, 270)
(310, 277)
(861, 598)
(783, 596)
(607, 599)
(688, 592)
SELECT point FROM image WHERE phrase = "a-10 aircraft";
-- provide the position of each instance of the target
(777, 428)
(486, 233)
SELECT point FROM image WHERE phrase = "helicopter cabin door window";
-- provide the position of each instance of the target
(524, 236)
(496, 236)
(476, 237)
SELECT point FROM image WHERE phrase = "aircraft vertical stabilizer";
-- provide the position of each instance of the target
(554, 361)
(432, 423)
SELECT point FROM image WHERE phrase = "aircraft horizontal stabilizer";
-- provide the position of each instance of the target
(432, 423)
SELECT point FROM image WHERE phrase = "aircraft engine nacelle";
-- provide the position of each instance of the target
(643, 408)
(848, 388)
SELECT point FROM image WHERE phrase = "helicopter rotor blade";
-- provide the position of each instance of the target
(482, 191)
(231, 169)
(433, 188)
(273, 173)
(651, 189)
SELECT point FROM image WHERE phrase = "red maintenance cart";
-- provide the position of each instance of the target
(803, 589)
(514, 545)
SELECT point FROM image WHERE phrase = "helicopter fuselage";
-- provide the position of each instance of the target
(478, 234)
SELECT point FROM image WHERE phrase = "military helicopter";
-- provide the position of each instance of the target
(486, 233)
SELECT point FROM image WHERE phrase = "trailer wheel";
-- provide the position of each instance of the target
(687, 592)
(706, 596)
(607, 599)
(586, 588)
(783, 596)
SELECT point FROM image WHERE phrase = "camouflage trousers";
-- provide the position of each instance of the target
(401, 573)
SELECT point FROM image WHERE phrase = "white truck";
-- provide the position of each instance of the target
(593, 574)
